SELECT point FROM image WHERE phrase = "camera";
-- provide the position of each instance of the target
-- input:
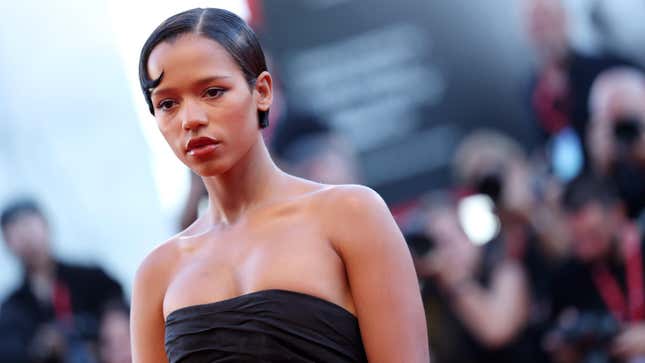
(590, 333)
(626, 131)
(419, 243)
(490, 184)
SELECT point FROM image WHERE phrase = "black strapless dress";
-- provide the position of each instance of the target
(264, 326)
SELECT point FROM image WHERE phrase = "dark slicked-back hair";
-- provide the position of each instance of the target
(586, 189)
(222, 26)
(17, 209)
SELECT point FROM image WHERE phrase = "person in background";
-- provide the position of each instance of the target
(616, 135)
(599, 294)
(114, 334)
(53, 315)
(306, 147)
(525, 196)
(498, 293)
(474, 312)
(559, 89)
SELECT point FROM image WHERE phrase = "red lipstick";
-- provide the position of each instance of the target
(201, 146)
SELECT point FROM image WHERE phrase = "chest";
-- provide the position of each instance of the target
(291, 254)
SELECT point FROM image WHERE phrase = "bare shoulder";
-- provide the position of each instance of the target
(149, 288)
(379, 268)
(157, 266)
(349, 213)
(343, 200)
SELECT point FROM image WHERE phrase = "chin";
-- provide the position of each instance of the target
(209, 169)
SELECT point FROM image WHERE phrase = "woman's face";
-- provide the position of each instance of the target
(204, 106)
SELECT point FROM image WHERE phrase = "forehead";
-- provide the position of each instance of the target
(25, 220)
(589, 211)
(545, 6)
(190, 56)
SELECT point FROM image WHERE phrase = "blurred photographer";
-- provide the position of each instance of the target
(527, 237)
(476, 310)
(617, 133)
(559, 89)
(53, 315)
(599, 295)
(524, 198)
(494, 249)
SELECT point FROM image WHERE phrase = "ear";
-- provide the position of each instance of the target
(263, 91)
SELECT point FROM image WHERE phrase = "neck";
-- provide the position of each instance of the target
(555, 58)
(41, 278)
(45, 268)
(248, 183)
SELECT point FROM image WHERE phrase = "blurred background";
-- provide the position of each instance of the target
(488, 127)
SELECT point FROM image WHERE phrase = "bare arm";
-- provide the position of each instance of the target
(494, 315)
(380, 274)
(146, 317)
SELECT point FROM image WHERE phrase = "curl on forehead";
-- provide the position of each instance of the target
(224, 27)
(189, 56)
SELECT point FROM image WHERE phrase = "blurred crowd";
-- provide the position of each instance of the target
(537, 256)
(60, 312)
(528, 256)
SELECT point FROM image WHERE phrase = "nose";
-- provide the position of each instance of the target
(193, 116)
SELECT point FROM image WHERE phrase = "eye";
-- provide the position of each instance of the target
(213, 92)
(166, 105)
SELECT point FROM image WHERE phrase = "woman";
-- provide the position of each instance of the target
(279, 268)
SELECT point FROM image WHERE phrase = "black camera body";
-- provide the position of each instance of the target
(627, 130)
(491, 184)
(589, 332)
(419, 243)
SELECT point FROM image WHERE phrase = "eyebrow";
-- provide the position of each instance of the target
(202, 81)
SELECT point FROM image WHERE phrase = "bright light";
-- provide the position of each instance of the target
(132, 22)
(477, 218)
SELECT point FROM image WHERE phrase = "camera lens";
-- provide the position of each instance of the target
(490, 185)
(419, 243)
(626, 130)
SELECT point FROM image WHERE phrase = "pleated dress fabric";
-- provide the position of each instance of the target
(264, 326)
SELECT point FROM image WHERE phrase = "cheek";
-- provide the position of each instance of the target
(171, 131)
(241, 118)
(590, 237)
(19, 247)
(11, 245)
(165, 125)
(245, 105)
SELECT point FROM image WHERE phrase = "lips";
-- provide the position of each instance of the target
(201, 146)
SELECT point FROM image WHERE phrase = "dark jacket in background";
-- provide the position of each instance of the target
(21, 314)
